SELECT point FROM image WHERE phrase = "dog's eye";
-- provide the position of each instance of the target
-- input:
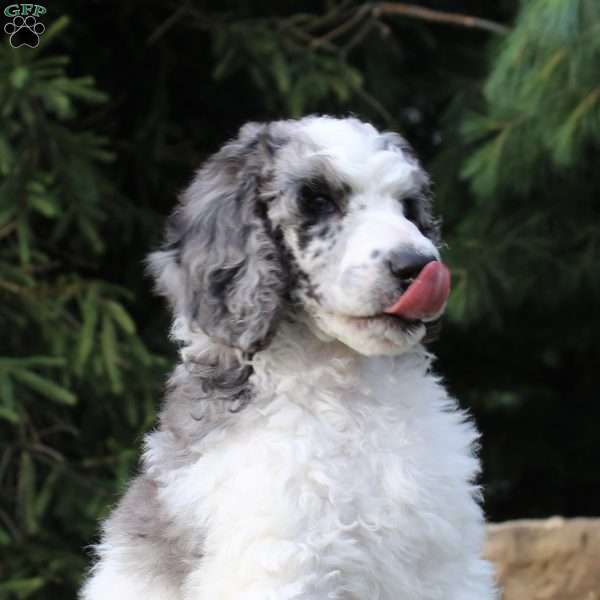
(411, 208)
(317, 202)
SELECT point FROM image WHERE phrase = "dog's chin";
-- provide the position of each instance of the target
(383, 335)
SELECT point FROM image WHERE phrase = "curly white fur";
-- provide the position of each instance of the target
(344, 471)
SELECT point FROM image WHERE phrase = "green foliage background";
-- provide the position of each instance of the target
(102, 125)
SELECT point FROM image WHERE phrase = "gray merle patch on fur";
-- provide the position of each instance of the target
(221, 264)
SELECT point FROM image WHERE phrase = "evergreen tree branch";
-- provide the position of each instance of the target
(347, 25)
(168, 23)
(377, 10)
(438, 16)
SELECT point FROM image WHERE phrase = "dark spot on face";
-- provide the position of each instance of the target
(309, 232)
(323, 231)
(412, 209)
(308, 289)
(320, 205)
(375, 254)
(417, 209)
(317, 200)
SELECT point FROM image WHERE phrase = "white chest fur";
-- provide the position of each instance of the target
(351, 480)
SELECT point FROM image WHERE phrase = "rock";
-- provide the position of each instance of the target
(553, 559)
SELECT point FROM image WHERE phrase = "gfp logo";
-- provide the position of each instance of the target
(24, 29)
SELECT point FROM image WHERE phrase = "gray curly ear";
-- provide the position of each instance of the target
(220, 266)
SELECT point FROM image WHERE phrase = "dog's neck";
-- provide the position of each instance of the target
(296, 359)
(296, 368)
(297, 356)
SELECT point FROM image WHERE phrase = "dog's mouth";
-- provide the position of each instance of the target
(420, 305)
(426, 296)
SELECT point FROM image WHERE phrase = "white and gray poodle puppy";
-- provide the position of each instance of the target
(305, 450)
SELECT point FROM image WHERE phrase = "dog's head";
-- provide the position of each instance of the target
(320, 220)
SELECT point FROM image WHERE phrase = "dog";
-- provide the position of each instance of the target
(305, 449)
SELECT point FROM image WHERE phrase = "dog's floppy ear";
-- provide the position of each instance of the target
(220, 267)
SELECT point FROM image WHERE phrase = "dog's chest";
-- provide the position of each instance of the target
(325, 484)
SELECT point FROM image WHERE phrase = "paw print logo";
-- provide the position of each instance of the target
(24, 31)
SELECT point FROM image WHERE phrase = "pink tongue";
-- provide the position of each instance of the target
(426, 295)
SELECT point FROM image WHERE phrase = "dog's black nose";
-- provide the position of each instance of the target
(407, 264)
